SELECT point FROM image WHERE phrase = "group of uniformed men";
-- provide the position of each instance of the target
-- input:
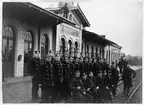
(79, 79)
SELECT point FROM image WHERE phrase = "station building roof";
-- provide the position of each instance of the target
(91, 36)
(32, 14)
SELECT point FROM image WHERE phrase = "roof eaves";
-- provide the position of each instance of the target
(83, 15)
(49, 13)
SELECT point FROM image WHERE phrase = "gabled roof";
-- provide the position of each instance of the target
(78, 12)
(81, 15)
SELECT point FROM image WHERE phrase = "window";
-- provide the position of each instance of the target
(44, 45)
(28, 46)
(8, 51)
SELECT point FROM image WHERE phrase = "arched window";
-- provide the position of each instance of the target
(76, 48)
(28, 50)
(44, 45)
(8, 43)
(63, 45)
(92, 52)
(28, 46)
(69, 46)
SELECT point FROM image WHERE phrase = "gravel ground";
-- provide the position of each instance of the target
(137, 98)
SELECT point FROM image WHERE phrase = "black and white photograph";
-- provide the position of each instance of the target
(72, 51)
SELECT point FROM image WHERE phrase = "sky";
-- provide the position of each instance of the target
(119, 20)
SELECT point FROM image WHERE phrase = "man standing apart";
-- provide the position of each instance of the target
(127, 76)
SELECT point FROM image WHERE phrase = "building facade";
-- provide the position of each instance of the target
(27, 28)
(69, 37)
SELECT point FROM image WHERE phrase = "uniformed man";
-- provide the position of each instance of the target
(120, 65)
(115, 77)
(34, 68)
(77, 88)
(58, 73)
(100, 86)
(92, 86)
(105, 65)
(81, 65)
(87, 85)
(109, 83)
(48, 80)
(96, 67)
(127, 76)
(71, 67)
(76, 64)
(86, 65)
(90, 64)
(66, 75)
(107, 92)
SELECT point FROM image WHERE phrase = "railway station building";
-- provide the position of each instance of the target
(27, 28)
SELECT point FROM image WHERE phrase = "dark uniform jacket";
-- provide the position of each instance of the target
(34, 69)
(66, 71)
(81, 67)
(96, 68)
(86, 67)
(92, 82)
(115, 76)
(100, 82)
(58, 71)
(75, 83)
(71, 70)
(90, 66)
(120, 64)
(76, 67)
(106, 82)
(127, 76)
(48, 75)
(109, 81)
(104, 66)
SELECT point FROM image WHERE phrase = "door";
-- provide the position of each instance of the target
(8, 43)
(28, 50)
(44, 46)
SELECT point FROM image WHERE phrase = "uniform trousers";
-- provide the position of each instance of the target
(57, 93)
(35, 88)
(47, 94)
